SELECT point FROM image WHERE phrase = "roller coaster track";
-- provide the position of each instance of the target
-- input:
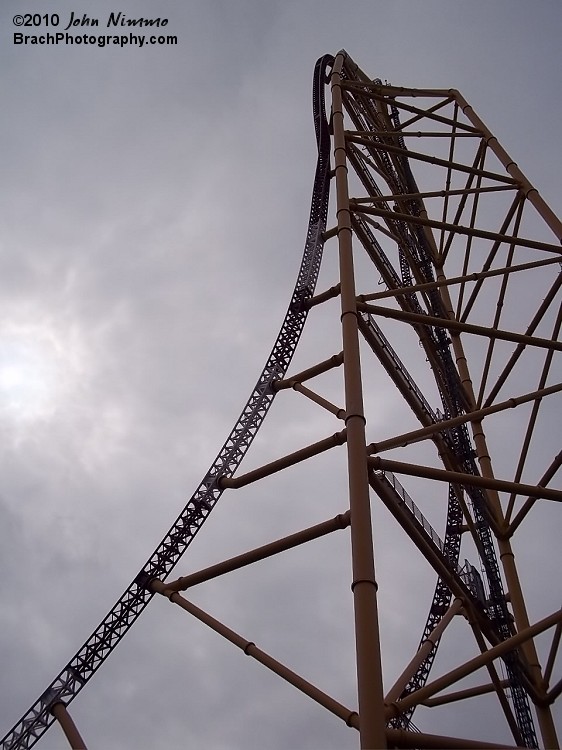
(376, 146)
(72, 678)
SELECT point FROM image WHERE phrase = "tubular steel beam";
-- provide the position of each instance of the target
(328, 364)
(515, 209)
(531, 193)
(401, 738)
(433, 193)
(291, 459)
(341, 521)
(68, 726)
(320, 400)
(478, 161)
(457, 228)
(460, 695)
(456, 325)
(477, 276)
(368, 88)
(550, 472)
(457, 477)
(472, 665)
(414, 436)
(496, 681)
(533, 421)
(423, 651)
(553, 694)
(250, 649)
(458, 167)
(412, 134)
(318, 299)
(507, 557)
(329, 234)
(387, 232)
(428, 114)
(364, 586)
(552, 653)
(538, 316)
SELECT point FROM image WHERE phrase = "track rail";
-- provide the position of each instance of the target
(72, 678)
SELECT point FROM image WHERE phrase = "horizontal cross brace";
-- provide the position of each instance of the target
(311, 372)
(341, 521)
(290, 459)
(470, 480)
(435, 194)
(456, 228)
(457, 280)
(455, 325)
(429, 159)
(414, 436)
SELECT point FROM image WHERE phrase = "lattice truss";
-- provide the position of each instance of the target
(453, 306)
(468, 263)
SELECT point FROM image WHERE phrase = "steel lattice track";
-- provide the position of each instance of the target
(72, 678)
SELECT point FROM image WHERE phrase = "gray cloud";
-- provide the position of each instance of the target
(154, 208)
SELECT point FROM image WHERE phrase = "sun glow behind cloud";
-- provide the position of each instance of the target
(39, 368)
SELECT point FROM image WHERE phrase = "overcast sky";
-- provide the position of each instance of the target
(154, 208)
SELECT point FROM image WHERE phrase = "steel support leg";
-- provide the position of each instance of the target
(364, 587)
(68, 726)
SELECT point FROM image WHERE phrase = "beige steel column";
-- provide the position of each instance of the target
(367, 641)
(529, 190)
(68, 726)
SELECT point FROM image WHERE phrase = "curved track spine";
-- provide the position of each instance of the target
(72, 678)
